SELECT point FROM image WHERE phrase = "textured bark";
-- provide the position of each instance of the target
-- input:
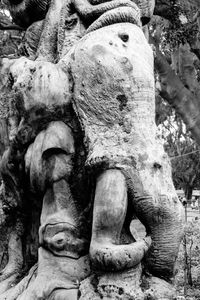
(47, 48)
(32, 38)
(86, 150)
(4, 135)
(127, 121)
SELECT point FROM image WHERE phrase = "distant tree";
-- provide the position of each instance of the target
(10, 34)
(183, 152)
(175, 34)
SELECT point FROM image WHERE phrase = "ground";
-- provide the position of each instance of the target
(193, 249)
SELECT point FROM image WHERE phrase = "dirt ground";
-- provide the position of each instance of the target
(192, 214)
(192, 230)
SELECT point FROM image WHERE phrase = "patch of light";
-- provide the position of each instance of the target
(5, 12)
(183, 19)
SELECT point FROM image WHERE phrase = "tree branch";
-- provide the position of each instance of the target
(176, 94)
(195, 43)
(163, 8)
(10, 26)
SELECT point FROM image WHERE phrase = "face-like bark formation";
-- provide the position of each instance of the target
(130, 144)
(87, 138)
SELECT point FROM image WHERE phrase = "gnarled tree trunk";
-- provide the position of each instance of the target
(84, 158)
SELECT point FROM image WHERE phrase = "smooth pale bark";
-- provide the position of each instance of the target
(110, 209)
(130, 144)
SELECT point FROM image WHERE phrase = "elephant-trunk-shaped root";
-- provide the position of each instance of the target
(110, 207)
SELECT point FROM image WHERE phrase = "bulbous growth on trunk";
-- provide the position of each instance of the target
(129, 145)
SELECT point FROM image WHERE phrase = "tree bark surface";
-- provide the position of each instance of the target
(91, 114)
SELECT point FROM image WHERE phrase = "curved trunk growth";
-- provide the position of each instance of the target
(85, 147)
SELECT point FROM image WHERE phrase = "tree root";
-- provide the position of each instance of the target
(11, 273)
(14, 292)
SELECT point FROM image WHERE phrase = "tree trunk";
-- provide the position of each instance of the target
(184, 101)
(84, 156)
(188, 192)
(4, 143)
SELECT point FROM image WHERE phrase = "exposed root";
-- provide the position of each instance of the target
(14, 292)
(11, 273)
(117, 15)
